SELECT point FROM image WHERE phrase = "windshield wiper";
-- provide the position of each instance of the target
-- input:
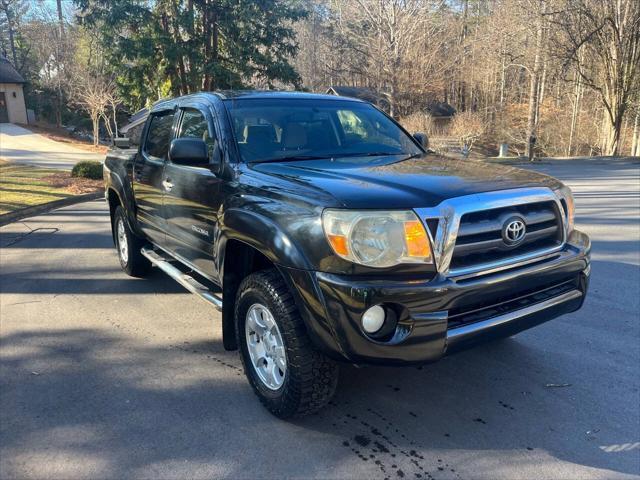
(294, 158)
(371, 154)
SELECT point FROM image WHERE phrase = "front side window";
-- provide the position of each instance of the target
(195, 125)
(159, 134)
(296, 129)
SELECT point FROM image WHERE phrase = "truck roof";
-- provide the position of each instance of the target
(254, 94)
(232, 94)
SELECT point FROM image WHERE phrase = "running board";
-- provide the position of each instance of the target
(187, 281)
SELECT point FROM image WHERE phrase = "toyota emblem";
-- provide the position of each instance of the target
(513, 231)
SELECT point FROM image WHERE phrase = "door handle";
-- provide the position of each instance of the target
(167, 185)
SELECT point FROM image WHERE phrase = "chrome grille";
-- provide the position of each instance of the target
(480, 233)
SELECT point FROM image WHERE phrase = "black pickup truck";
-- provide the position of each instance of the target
(325, 232)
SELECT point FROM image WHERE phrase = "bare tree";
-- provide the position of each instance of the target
(635, 138)
(13, 11)
(7, 8)
(538, 10)
(467, 127)
(397, 43)
(607, 33)
(94, 93)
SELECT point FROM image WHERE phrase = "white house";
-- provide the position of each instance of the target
(12, 106)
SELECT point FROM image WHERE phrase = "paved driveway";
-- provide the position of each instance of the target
(19, 145)
(105, 376)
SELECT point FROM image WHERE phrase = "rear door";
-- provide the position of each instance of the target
(148, 175)
(191, 205)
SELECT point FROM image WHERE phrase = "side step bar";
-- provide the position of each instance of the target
(182, 278)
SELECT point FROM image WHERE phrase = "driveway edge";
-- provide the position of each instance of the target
(11, 217)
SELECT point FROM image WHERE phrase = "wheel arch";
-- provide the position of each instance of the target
(240, 260)
(114, 201)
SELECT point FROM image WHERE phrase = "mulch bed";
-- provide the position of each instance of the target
(74, 185)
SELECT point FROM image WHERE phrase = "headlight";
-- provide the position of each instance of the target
(377, 238)
(566, 199)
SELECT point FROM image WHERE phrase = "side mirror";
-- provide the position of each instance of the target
(189, 151)
(422, 139)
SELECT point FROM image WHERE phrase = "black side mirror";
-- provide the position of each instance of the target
(422, 139)
(189, 151)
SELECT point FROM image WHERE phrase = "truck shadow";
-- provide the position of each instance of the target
(95, 402)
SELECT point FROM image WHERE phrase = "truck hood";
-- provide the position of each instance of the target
(397, 182)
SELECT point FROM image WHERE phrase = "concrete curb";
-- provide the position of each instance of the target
(47, 207)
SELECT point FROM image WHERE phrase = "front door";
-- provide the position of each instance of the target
(148, 176)
(191, 205)
(4, 112)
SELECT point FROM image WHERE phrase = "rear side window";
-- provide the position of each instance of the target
(159, 134)
(135, 134)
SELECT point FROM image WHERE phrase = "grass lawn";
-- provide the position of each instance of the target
(25, 186)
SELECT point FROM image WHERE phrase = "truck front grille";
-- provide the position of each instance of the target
(480, 238)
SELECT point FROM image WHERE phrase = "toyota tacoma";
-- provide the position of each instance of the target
(326, 233)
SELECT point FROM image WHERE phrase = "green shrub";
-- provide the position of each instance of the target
(88, 169)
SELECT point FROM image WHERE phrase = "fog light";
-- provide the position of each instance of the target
(373, 319)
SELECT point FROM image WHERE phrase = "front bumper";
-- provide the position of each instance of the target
(440, 315)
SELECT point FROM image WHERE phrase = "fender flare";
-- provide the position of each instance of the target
(262, 234)
(124, 192)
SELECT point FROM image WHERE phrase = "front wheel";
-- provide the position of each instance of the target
(289, 376)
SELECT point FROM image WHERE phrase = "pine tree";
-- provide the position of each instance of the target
(186, 46)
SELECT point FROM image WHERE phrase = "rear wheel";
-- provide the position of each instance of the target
(128, 246)
(289, 376)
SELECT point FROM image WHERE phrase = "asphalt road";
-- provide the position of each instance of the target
(19, 145)
(105, 376)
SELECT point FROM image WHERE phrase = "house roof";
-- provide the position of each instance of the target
(8, 74)
(440, 109)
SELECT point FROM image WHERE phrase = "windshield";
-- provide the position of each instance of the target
(297, 129)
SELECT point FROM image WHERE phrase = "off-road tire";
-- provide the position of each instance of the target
(135, 264)
(311, 377)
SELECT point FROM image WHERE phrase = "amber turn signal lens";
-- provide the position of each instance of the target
(416, 239)
(339, 244)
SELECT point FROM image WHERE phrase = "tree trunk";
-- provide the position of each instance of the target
(635, 141)
(534, 84)
(503, 75)
(575, 112)
(613, 117)
(12, 44)
(115, 121)
(95, 120)
(214, 48)
(60, 19)
(170, 69)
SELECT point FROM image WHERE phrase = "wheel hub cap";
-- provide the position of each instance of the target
(265, 346)
(123, 246)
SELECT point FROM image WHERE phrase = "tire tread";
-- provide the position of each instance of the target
(313, 376)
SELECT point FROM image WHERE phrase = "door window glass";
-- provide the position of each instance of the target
(195, 125)
(159, 134)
